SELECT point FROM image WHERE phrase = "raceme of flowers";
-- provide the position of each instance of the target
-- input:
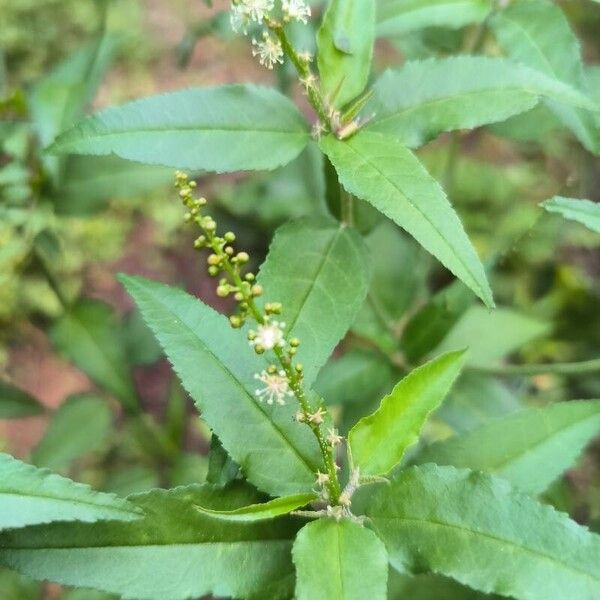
(278, 382)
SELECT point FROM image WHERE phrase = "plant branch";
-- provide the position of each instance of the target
(576, 368)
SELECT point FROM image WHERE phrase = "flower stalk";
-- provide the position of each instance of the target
(281, 380)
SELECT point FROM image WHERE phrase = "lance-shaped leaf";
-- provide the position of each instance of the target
(423, 99)
(29, 496)
(483, 533)
(536, 33)
(380, 170)
(491, 335)
(345, 48)
(260, 512)
(217, 367)
(339, 561)
(89, 335)
(16, 403)
(379, 441)
(80, 426)
(397, 17)
(530, 449)
(174, 553)
(318, 270)
(222, 129)
(582, 211)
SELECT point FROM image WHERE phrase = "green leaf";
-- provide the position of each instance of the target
(222, 129)
(15, 587)
(29, 496)
(89, 335)
(260, 512)
(88, 182)
(80, 426)
(432, 587)
(217, 367)
(354, 378)
(423, 99)
(319, 272)
(530, 448)
(479, 531)
(536, 33)
(397, 17)
(491, 335)
(221, 468)
(345, 48)
(339, 560)
(582, 211)
(174, 553)
(17, 404)
(382, 171)
(378, 442)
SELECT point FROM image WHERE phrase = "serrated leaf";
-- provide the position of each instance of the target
(479, 531)
(16, 403)
(88, 182)
(81, 425)
(319, 271)
(380, 170)
(345, 48)
(536, 33)
(530, 448)
(356, 377)
(29, 496)
(423, 99)
(397, 17)
(222, 129)
(378, 442)
(217, 367)
(89, 335)
(339, 561)
(260, 512)
(582, 211)
(491, 335)
(174, 553)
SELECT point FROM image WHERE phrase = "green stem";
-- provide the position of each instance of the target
(578, 368)
(294, 378)
(347, 207)
(303, 69)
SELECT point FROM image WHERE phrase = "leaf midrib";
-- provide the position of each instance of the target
(420, 9)
(495, 538)
(417, 209)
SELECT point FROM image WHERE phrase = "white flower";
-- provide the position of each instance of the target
(333, 438)
(276, 387)
(269, 336)
(322, 478)
(296, 10)
(317, 416)
(244, 12)
(268, 50)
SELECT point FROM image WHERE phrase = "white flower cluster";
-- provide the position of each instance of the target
(276, 387)
(246, 12)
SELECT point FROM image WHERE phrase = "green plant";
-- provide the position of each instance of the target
(289, 508)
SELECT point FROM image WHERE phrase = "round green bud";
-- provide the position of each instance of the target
(259, 349)
(229, 236)
(292, 351)
(229, 250)
(272, 369)
(251, 335)
(235, 321)
(299, 367)
(199, 242)
(213, 271)
(239, 296)
(250, 277)
(214, 259)
(223, 291)
(243, 257)
(294, 342)
(257, 290)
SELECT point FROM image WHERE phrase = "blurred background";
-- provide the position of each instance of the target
(84, 389)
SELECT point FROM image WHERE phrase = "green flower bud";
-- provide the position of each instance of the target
(235, 321)
(243, 257)
(259, 349)
(294, 342)
(229, 236)
(214, 259)
(239, 296)
(213, 271)
(223, 291)
(257, 290)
